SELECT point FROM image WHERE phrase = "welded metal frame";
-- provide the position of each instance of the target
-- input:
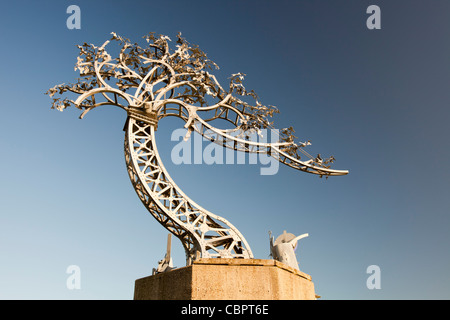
(153, 83)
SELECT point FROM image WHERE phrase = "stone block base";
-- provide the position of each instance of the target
(227, 279)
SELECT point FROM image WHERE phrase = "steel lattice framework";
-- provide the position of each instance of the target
(154, 82)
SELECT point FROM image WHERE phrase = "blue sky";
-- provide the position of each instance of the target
(378, 100)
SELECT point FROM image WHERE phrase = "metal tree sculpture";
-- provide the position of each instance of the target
(155, 82)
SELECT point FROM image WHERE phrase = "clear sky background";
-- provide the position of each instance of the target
(378, 100)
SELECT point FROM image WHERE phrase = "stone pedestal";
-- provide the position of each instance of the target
(227, 279)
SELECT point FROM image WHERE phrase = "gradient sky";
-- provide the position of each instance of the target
(377, 100)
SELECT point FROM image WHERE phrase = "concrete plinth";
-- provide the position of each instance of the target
(227, 279)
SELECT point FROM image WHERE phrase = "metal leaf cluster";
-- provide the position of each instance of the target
(154, 76)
